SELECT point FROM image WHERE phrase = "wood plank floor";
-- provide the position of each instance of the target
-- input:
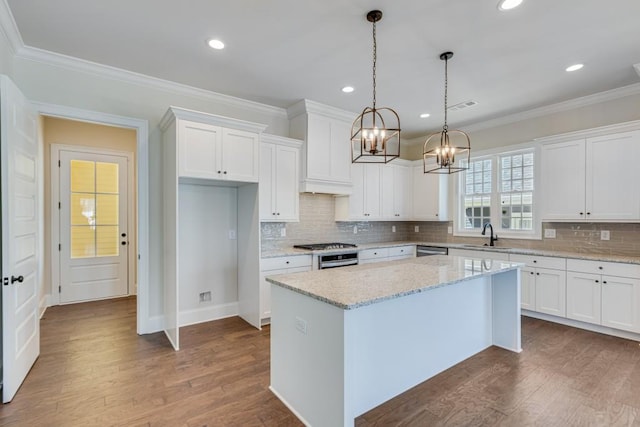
(95, 371)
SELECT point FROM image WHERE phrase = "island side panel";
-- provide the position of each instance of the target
(307, 369)
(396, 344)
(506, 310)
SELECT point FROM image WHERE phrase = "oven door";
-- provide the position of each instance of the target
(337, 260)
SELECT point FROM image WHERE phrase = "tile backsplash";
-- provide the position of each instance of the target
(317, 225)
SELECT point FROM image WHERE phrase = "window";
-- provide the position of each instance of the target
(499, 189)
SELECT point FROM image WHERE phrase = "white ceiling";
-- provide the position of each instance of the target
(281, 51)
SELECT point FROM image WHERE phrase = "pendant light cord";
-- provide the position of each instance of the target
(446, 87)
(375, 48)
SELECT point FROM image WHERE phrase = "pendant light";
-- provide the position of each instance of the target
(375, 134)
(454, 145)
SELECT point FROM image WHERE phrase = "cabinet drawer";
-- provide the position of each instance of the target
(278, 263)
(402, 251)
(540, 261)
(373, 253)
(610, 268)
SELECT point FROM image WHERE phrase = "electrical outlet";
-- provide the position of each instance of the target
(283, 232)
(605, 235)
(450, 229)
(416, 228)
(205, 296)
(550, 233)
(301, 325)
(393, 228)
(232, 234)
(355, 229)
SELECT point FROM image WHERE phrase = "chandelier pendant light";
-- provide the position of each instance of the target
(375, 133)
(445, 145)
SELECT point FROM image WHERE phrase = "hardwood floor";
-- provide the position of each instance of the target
(95, 371)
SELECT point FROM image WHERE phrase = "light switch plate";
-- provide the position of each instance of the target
(550, 233)
(450, 229)
(232, 234)
(416, 228)
(605, 235)
(393, 228)
(283, 232)
(355, 229)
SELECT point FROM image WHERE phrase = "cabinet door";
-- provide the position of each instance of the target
(403, 184)
(355, 201)
(528, 289)
(286, 183)
(612, 176)
(199, 150)
(267, 182)
(240, 155)
(551, 288)
(340, 151)
(583, 297)
(563, 181)
(429, 195)
(372, 202)
(621, 303)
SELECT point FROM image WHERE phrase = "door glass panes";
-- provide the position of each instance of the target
(94, 209)
(516, 191)
(477, 197)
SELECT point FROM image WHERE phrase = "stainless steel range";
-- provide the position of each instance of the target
(337, 257)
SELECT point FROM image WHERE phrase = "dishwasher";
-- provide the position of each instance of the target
(422, 250)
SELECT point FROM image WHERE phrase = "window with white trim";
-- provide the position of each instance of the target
(499, 189)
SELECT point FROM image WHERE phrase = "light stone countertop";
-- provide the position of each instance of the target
(519, 251)
(352, 287)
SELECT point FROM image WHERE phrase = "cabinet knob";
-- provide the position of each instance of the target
(535, 261)
(537, 274)
(581, 213)
(375, 253)
(219, 171)
(287, 262)
(597, 281)
(273, 213)
(436, 214)
(278, 213)
(531, 273)
(588, 213)
(225, 172)
(604, 282)
(600, 267)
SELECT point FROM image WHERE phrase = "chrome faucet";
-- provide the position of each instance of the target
(493, 237)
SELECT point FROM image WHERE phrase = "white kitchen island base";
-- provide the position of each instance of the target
(330, 365)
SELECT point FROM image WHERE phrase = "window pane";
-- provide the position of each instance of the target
(83, 241)
(106, 177)
(107, 241)
(82, 209)
(107, 209)
(82, 176)
(516, 187)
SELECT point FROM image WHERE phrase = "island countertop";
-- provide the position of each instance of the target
(352, 287)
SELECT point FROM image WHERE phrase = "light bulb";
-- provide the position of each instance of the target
(382, 133)
(375, 131)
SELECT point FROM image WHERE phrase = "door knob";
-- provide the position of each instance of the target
(124, 243)
(18, 279)
(124, 234)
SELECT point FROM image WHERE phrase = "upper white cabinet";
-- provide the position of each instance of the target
(591, 178)
(429, 191)
(279, 175)
(364, 203)
(215, 147)
(326, 152)
(396, 191)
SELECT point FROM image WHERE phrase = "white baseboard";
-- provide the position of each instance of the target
(155, 324)
(207, 314)
(582, 325)
(283, 400)
(44, 303)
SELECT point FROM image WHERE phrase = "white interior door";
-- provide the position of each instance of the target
(93, 226)
(20, 237)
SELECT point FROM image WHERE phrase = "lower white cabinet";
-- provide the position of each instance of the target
(543, 284)
(368, 256)
(610, 299)
(278, 265)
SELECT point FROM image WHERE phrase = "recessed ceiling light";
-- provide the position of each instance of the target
(347, 89)
(509, 4)
(215, 44)
(574, 67)
(424, 115)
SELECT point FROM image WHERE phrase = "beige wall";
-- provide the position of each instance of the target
(69, 132)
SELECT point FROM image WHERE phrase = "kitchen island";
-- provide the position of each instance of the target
(345, 340)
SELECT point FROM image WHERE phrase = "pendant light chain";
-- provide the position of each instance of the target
(375, 57)
(446, 88)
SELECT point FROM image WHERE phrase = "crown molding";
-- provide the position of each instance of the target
(308, 106)
(592, 132)
(212, 119)
(281, 140)
(572, 104)
(9, 28)
(105, 71)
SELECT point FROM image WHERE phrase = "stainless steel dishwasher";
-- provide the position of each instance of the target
(422, 250)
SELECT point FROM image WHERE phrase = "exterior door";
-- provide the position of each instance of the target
(93, 226)
(21, 233)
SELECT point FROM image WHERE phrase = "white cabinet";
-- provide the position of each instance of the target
(326, 153)
(396, 191)
(604, 293)
(209, 151)
(394, 253)
(278, 265)
(364, 203)
(543, 284)
(279, 174)
(592, 179)
(429, 191)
